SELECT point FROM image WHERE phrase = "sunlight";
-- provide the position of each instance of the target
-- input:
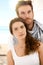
(12, 4)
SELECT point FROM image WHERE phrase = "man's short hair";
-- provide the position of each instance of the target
(21, 3)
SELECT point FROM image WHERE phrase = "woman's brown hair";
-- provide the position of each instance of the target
(31, 43)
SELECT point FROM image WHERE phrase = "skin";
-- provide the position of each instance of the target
(18, 30)
(26, 13)
(40, 51)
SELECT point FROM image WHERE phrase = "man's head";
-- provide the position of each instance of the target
(22, 3)
(24, 10)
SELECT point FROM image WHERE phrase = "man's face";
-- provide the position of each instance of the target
(26, 13)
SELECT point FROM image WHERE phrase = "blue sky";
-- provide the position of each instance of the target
(5, 15)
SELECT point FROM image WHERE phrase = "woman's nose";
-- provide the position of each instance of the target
(20, 30)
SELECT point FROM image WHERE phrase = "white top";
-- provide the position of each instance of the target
(32, 59)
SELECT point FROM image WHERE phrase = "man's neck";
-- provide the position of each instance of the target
(30, 26)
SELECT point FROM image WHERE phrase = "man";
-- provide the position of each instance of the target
(24, 9)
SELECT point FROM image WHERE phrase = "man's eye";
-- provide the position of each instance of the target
(22, 13)
(29, 11)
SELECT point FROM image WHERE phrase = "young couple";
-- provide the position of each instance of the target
(28, 50)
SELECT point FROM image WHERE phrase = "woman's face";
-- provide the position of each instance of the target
(19, 30)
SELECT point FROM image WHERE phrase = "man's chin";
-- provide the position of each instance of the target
(28, 23)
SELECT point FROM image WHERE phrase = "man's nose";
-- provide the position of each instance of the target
(27, 16)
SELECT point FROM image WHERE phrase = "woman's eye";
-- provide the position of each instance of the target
(22, 27)
(15, 29)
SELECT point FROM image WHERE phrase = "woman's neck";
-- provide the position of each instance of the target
(21, 42)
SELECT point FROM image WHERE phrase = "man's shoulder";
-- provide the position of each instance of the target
(39, 24)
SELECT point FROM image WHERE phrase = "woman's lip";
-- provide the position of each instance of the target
(21, 34)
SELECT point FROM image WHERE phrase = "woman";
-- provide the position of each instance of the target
(27, 51)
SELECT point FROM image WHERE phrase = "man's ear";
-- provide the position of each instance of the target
(33, 14)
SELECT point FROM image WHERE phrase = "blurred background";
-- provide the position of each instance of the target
(7, 12)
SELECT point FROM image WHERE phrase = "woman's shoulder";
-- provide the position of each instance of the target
(40, 51)
(10, 60)
(40, 47)
(9, 53)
